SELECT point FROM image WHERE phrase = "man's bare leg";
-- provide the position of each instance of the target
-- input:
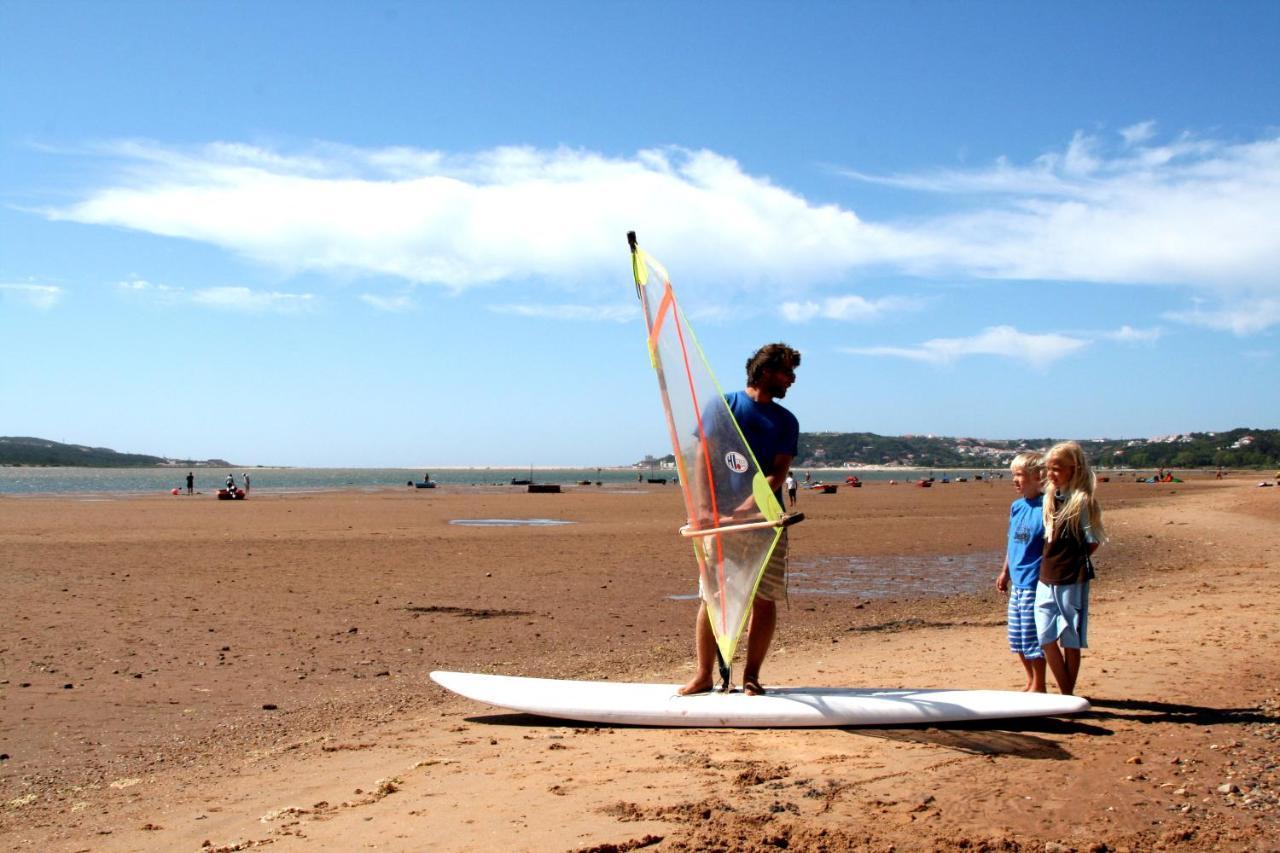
(705, 643)
(764, 618)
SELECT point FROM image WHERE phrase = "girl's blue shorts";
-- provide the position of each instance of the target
(1062, 614)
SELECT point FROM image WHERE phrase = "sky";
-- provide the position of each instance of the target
(391, 234)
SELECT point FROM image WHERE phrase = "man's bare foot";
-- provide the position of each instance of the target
(697, 685)
(751, 687)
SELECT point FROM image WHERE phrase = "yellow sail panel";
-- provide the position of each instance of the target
(721, 481)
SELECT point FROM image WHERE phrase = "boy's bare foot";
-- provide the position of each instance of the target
(751, 687)
(698, 685)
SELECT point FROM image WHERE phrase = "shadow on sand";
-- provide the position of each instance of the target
(1144, 711)
(983, 737)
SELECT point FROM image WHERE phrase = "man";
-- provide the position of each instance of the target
(191, 483)
(773, 434)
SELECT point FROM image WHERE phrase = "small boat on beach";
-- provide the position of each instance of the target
(230, 494)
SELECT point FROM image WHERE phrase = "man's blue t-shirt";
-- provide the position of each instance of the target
(1026, 541)
(770, 429)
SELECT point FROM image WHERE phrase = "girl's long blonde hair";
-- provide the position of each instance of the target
(1079, 494)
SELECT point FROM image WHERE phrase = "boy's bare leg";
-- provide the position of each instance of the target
(1071, 660)
(705, 643)
(764, 619)
(1053, 657)
(1035, 674)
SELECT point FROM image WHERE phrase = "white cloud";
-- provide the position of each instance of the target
(1003, 341)
(229, 298)
(1138, 133)
(1129, 335)
(1188, 212)
(848, 307)
(251, 301)
(494, 215)
(390, 304)
(608, 313)
(39, 296)
(1244, 317)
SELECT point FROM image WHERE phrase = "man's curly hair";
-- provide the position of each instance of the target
(771, 357)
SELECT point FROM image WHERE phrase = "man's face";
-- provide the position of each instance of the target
(776, 380)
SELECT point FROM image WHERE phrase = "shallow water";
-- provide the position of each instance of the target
(887, 576)
(140, 481)
(508, 522)
(893, 576)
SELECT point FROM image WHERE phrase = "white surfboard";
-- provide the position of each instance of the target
(659, 705)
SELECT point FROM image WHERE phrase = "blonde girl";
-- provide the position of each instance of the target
(1072, 532)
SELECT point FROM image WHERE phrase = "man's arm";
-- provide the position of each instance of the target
(777, 475)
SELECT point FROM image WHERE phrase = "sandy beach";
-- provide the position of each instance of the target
(186, 674)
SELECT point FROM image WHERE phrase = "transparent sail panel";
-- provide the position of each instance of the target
(722, 483)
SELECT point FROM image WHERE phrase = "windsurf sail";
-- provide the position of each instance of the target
(734, 519)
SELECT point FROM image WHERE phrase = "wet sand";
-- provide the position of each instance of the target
(180, 670)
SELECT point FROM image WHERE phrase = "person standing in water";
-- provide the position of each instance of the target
(773, 434)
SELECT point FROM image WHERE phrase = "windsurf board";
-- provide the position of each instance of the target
(624, 703)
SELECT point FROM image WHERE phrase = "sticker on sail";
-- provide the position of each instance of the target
(737, 462)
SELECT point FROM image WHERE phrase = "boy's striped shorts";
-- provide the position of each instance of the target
(1023, 639)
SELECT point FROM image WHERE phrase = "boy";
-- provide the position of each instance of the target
(1022, 565)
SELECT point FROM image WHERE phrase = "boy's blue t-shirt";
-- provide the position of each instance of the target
(1026, 541)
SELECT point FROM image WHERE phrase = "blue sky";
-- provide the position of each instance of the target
(393, 234)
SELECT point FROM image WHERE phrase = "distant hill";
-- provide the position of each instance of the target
(20, 450)
(1237, 448)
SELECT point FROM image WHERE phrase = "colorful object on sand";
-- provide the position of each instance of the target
(734, 519)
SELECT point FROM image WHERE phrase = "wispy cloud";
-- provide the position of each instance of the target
(1037, 350)
(39, 296)
(230, 298)
(1243, 317)
(391, 304)
(1129, 335)
(850, 307)
(1118, 208)
(251, 301)
(608, 313)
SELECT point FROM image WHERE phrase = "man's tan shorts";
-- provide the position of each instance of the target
(773, 585)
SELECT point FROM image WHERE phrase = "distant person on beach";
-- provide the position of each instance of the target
(791, 488)
(808, 477)
(1073, 531)
(773, 434)
(231, 483)
(1021, 570)
(246, 482)
(191, 483)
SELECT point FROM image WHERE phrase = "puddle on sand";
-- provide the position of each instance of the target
(887, 577)
(509, 522)
(893, 576)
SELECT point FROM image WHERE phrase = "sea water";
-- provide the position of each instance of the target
(140, 481)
